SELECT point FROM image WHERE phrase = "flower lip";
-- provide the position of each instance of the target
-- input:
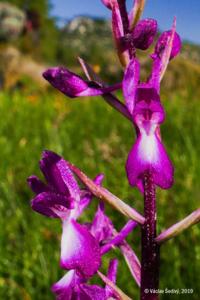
(79, 249)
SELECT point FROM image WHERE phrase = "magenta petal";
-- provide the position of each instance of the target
(37, 185)
(64, 287)
(130, 83)
(148, 154)
(148, 108)
(119, 237)
(102, 227)
(52, 205)
(144, 33)
(112, 275)
(99, 179)
(132, 261)
(112, 270)
(92, 292)
(73, 85)
(59, 176)
(167, 47)
(79, 249)
(162, 43)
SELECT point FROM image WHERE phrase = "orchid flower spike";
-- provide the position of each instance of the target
(62, 198)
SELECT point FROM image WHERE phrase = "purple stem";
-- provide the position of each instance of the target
(150, 249)
(118, 105)
(119, 238)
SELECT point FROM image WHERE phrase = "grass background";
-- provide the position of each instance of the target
(97, 139)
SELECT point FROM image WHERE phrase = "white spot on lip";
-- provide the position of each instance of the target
(70, 242)
(148, 148)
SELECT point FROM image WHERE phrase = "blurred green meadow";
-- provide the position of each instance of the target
(97, 139)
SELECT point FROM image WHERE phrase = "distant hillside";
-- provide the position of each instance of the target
(91, 38)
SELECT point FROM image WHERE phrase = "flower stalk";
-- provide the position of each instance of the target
(150, 249)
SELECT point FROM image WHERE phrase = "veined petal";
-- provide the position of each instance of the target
(132, 261)
(52, 205)
(59, 176)
(102, 227)
(37, 185)
(79, 249)
(111, 275)
(144, 33)
(162, 44)
(64, 287)
(73, 85)
(119, 237)
(93, 292)
(148, 153)
(130, 83)
(112, 270)
(167, 47)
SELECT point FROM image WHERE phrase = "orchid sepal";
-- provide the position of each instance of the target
(177, 228)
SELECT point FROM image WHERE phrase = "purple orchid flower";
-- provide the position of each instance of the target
(72, 85)
(148, 153)
(72, 286)
(62, 198)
